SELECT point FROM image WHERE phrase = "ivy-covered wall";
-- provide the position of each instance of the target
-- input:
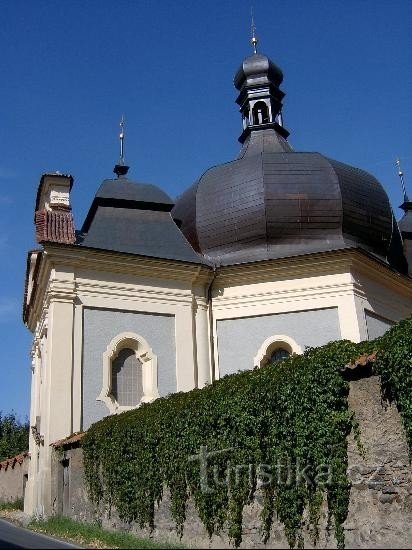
(275, 439)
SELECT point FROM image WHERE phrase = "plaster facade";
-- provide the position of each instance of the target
(250, 333)
(79, 306)
(101, 326)
(198, 324)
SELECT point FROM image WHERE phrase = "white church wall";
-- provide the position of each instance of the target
(238, 340)
(382, 299)
(348, 281)
(100, 327)
(376, 326)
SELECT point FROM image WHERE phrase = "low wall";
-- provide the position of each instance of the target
(380, 509)
(13, 477)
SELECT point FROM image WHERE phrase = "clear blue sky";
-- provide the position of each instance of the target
(70, 69)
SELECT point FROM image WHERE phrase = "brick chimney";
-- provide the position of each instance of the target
(53, 218)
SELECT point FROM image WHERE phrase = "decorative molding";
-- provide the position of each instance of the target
(144, 271)
(148, 360)
(276, 296)
(312, 265)
(271, 344)
(60, 290)
(120, 262)
(133, 292)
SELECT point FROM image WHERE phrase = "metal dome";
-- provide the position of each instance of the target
(255, 67)
(272, 202)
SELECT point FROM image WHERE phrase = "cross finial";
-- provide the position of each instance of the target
(400, 174)
(254, 41)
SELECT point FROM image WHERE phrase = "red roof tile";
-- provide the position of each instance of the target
(74, 438)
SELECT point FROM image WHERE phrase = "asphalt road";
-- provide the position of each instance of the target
(17, 537)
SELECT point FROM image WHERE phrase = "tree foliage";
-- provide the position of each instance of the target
(14, 435)
(280, 430)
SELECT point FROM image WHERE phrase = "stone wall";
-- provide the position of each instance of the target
(380, 510)
(13, 476)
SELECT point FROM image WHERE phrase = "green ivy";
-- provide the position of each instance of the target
(288, 420)
(394, 364)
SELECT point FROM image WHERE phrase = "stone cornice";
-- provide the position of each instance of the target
(118, 262)
(295, 295)
(91, 288)
(59, 290)
(35, 312)
(313, 265)
(70, 257)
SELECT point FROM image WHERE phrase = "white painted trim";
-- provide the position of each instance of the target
(77, 367)
(144, 355)
(272, 343)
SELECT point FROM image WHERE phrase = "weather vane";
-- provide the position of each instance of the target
(400, 174)
(254, 41)
(121, 136)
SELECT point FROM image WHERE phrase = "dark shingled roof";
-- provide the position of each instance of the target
(124, 189)
(273, 203)
(135, 218)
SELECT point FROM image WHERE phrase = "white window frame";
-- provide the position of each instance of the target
(273, 343)
(148, 361)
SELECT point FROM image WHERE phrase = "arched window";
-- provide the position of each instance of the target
(127, 388)
(274, 349)
(260, 113)
(278, 354)
(129, 373)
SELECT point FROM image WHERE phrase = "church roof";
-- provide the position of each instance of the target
(124, 189)
(272, 202)
(257, 67)
(405, 224)
(276, 204)
(134, 218)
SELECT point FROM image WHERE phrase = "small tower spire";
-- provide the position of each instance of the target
(121, 137)
(400, 174)
(254, 40)
(405, 223)
(121, 169)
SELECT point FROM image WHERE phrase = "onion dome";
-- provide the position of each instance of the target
(272, 202)
(257, 68)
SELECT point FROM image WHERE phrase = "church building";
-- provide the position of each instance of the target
(262, 257)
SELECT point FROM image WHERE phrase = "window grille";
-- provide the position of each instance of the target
(127, 388)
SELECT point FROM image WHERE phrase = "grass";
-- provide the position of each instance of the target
(11, 505)
(91, 535)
